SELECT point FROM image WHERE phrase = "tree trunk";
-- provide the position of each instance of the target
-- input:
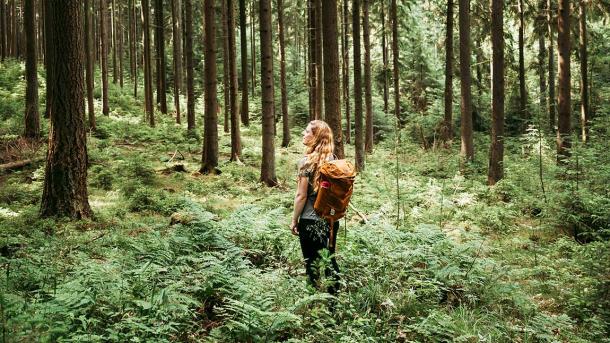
(209, 160)
(177, 45)
(359, 142)
(3, 32)
(113, 33)
(235, 136)
(188, 51)
(584, 94)
(564, 98)
(332, 100)
(253, 46)
(395, 52)
(496, 150)
(267, 92)
(120, 44)
(32, 117)
(245, 115)
(133, 55)
(467, 148)
(319, 60)
(225, 66)
(89, 64)
(368, 97)
(312, 84)
(542, 58)
(148, 91)
(384, 53)
(552, 100)
(345, 68)
(285, 121)
(49, 56)
(65, 183)
(160, 46)
(104, 57)
(524, 116)
(447, 128)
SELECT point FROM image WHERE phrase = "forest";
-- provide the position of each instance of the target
(148, 166)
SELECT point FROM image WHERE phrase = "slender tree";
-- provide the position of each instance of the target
(542, 55)
(584, 92)
(65, 183)
(113, 34)
(395, 57)
(524, 116)
(312, 83)
(48, 57)
(120, 36)
(133, 58)
(319, 88)
(148, 91)
(284, 97)
(243, 42)
(447, 128)
(564, 98)
(177, 45)
(467, 148)
(267, 91)
(32, 117)
(188, 52)
(496, 151)
(160, 49)
(225, 66)
(368, 96)
(235, 135)
(3, 29)
(104, 57)
(345, 69)
(209, 161)
(89, 64)
(359, 141)
(384, 54)
(551, 66)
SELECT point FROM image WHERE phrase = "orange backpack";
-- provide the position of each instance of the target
(335, 190)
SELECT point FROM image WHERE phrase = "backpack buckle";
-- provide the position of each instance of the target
(332, 211)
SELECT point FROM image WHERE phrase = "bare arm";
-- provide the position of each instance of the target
(299, 202)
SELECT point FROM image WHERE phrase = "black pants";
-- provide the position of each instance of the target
(314, 236)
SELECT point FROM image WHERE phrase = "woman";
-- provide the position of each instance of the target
(312, 230)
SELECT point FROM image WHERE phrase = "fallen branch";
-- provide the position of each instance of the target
(366, 221)
(18, 164)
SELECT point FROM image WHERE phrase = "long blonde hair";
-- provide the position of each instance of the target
(318, 149)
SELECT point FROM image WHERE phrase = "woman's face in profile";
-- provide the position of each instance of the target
(307, 135)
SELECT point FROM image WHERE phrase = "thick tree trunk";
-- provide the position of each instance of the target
(368, 96)
(104, 57)
(395, 56)
(148, 91)
(65, 183)
(209, 160)
(584, 83)
(225, 66)
(32, 117)
(467, 147)
(188, 52)
(177, 45)
(243, 42)
(160, 48)
(564, 108)
(235, 135)
(267, 92)
(345, 68)
(447, 128)
(359, 141)
(89, 64)
(551, 66)
(524, 116)
(496, 150)
(284, 96)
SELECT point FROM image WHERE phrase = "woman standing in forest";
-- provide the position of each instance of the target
(312, 230)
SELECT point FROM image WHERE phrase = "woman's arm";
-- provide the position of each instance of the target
(299, 202)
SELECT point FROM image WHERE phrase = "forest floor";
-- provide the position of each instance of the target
(173, 255)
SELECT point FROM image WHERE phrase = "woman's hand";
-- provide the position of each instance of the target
(294, 228)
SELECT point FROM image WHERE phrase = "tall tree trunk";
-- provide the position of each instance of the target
(113, 34)
(551, 66)
(496, 150)
(368, 97)
(65, 182)
(267, 92)
(253, 46)
(245, 111)
(319, 61)
(584, 92)
(395, 56)
(32, 117)
(120, 44)
(3, 32)
(345, 68)
(104, 51)
(524, 116)
(542, 57)
(89, 64)
(312, 83)
(467, 148)
(564, 98)
(359, 142)
(284, 97)
(177, 45)
(148, 88)
(48, 57)
(188, 51)
(133, 55)
(447, 129)
(332, 100)
(225, 66)
(160, 46)
(209, 160)
(40, 30)
(235, 135)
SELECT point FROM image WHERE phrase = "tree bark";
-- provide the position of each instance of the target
(368, 97)
(345, 68)
(318, 61)
(133, 55)
(312, 83)
(551, 66)
(384, 53)
(188, 52)
(235, 135)
(522, 90)
(32, 117)
(584, 83)
(3, 33)
(467, 147)
(225, 67)
(120, 44)
(267, 91)
(65, 183)
(395, 57)
(564, 81)
(253, 46)
(284, 97)
(177, 45)
(113, 34)
(447, 128)
(104, 57)
(48, 57)
(148, 91)
(542, 58)
(209, 160)
(160, 48)
(89, 64)
(496, 150)
(245, 115)
(359, 141)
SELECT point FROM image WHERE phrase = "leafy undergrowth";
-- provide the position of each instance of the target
(178, 256)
